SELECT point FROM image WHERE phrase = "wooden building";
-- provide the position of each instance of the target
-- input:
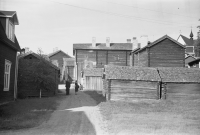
(92, 79)
(180, 83)
(96, 55)
(164, 52)
(27, 85)
(9, 47)
(131, 83)
(68, 70)
(188, 59)
(57, 59)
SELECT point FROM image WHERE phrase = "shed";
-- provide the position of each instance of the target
(130, 83)
(180, 83)
(27, 83)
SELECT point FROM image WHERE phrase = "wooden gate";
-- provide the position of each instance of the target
(93, 83)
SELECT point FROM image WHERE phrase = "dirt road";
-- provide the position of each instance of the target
(76, 115)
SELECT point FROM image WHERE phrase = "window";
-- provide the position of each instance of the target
(7, 75)
(10, 31)
(190, 49)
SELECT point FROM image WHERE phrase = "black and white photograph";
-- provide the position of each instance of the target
(99, 67)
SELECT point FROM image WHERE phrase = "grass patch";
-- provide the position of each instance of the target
(96, 96)
(26, 113)
(152, 117)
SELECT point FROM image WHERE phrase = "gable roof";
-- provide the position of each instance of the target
(179, 75)
(10, 14)
(189, 42)
(102, 46)
(194, 61)
(159, 40)
(3, 38)
(56, 52)
(39, 57)
(132, 73)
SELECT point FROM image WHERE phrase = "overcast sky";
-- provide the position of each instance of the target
(48, 24)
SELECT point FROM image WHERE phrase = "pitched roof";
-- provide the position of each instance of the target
(159, 40)
(10, 14)
(132, 73)
(3, 38)
(56, 52)
(179, 75)
(39, 57)
(102, 46)
(93, 72)
(189, 42)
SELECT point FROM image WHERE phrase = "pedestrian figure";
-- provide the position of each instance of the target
(76, 87)
(67, 85)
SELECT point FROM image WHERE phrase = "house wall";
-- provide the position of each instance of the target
(189, 59)
(3, 22)
(99, 58)
(143, 58)
(9, 54)
(166, 54)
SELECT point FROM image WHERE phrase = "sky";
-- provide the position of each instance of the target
(50, 24)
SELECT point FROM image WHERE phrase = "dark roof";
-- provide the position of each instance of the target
(194, 61)
(132, 73)
(159, 40)
(189, 42)
(39, 57)
(10, 14)
(56, 52)
(102, 46)
(179, 75)
(93, 72)
(3, 38)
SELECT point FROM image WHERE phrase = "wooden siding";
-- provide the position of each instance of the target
(167, 54)
(182, 91)
(99, 58)
(93, 83)
(143, 58)
(9, 54)
(132, 90)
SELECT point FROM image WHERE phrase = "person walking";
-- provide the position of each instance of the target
(76, 87)
(67, 85)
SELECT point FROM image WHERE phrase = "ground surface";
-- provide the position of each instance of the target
(76, 115)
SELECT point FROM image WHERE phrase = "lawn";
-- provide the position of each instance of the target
(26, 113)
(161, 117)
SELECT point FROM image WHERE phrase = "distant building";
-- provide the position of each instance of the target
(164, 52)
(57, 59)
(9, 47)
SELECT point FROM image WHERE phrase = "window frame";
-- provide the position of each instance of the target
(7, 70)
(10, 30)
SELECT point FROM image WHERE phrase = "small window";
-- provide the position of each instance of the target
(190, 49)
(7, 75)
(10, 31)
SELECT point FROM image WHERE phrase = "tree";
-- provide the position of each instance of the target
(197, 43)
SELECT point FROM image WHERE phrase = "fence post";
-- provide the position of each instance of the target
(158, 90)
(165, 90)
(108, 95)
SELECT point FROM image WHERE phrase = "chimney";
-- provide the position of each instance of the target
(139, 45)
(107, 42)
(198, 34)
(128, 40)
(93, 42)
(135, 43)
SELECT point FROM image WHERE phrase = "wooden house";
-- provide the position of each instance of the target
(29, 64)
(57, 59)
(9, 47)
(96, 55)
(188, 43)
(164, 52)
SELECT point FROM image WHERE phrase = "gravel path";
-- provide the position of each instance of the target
(76, 115)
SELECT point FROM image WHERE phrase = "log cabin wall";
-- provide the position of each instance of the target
(128, 90)
(143, 58)
(166, 54)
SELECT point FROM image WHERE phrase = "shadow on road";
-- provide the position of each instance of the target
(95, 96)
